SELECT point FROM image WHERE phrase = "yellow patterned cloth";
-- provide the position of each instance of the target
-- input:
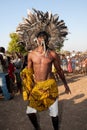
(41, 94)
(27, 82)
(54, 69)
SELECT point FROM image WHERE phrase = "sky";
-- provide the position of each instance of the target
(73, 12)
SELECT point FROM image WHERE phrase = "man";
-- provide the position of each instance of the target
(43, 33)
(40, 62)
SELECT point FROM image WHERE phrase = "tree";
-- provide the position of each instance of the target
(14, 46)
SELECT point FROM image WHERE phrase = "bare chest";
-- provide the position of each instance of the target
(42, 59)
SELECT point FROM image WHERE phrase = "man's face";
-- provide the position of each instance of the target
(40, 39)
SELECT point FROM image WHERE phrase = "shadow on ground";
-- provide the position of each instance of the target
(73, 114)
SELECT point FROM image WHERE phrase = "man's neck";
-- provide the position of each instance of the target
(40, 49)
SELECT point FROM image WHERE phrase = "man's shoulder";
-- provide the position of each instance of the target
(31, 52)
(54, 53)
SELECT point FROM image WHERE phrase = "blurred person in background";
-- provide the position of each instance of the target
(3, 74)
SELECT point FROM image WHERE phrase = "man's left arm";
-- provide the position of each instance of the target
(60, 72)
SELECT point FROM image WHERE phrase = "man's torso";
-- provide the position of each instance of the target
(42, 65)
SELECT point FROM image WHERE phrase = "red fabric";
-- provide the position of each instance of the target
(11, 69)
(69, 66)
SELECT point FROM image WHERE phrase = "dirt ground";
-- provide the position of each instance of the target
(72, 109)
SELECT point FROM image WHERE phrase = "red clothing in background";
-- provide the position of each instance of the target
(11, 69)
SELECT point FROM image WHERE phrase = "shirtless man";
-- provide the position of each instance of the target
(40, 61)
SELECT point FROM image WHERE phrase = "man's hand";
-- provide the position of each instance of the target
(67, 89)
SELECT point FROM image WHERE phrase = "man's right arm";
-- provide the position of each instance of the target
(30, 64)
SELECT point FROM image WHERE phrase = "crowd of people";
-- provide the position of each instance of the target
(10, 80)
(74, 64)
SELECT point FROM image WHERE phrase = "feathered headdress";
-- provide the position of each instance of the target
(38, 21)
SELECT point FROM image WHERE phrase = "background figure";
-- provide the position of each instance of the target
(11, 80)
(69, 65)
(3, 74)
(18, 67)
(25, 61)
(73, 60)
(64, 63)
(84, 66)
